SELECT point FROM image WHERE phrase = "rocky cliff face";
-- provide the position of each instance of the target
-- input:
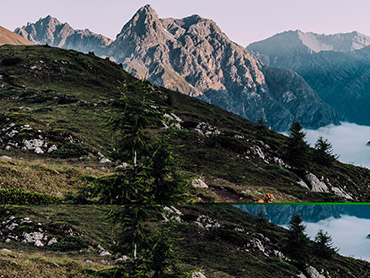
(192, 55)
(340, 74)
(54, 33)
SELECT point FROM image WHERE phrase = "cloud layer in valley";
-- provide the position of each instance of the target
(348, 140)
(348, 234)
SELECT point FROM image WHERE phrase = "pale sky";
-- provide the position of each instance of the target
(244, 21)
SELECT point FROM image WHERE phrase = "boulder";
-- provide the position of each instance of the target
(314, 273)
(5, 157)
(198, 183)
(316, 184)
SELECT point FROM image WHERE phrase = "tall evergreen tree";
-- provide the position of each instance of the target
(153, 179)
(297, 240)
(297, 147)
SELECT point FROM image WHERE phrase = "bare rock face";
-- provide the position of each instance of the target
(192, 55)
(54, 33)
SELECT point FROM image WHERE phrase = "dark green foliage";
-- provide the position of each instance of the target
(152, 248)
(68, 150)
(11, 61)
(324, 152)
(155, 176)
(261, 128)
(298, 149)
(297, 245)
(23, 197)
(324, 245)
(69, 243)
(133, 125)
(261, 220)
(153, 179)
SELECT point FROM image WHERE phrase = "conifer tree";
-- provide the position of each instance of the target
(297, 147)
(324, 152)
(152, 180)
(261, 128)
(324, 245)
(297, 240)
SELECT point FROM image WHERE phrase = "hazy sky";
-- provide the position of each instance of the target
(244, 21)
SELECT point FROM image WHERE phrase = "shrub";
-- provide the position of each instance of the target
(22, 197)
(69, 150)
(11, 61)
(69, 243)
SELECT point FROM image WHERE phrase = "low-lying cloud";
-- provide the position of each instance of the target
(348, 140)
(348, 234)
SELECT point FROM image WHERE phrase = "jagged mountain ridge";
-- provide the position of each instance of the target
(51, 31)
(341, 77)
(8, 37)
(192, 55)
(272, 50)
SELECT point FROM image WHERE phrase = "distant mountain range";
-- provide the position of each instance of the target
(8, 37)
(52, 32)
(336, 66)
(192, 55)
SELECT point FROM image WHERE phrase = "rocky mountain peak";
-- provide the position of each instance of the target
(49, 20)
(192, 55)
(144, 21)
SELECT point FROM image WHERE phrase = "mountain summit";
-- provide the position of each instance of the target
(192, 55)
(51, 31)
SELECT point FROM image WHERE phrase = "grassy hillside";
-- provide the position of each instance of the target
(8, 37)
(54, 109)
(217, 240)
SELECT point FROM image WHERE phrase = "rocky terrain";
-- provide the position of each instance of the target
(50, 31)
(216, 241)
(193, 56)
(8, 37)
(55, 105)
(335, 66)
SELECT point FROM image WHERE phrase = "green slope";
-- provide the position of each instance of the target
(65, 99)
(218, 240)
